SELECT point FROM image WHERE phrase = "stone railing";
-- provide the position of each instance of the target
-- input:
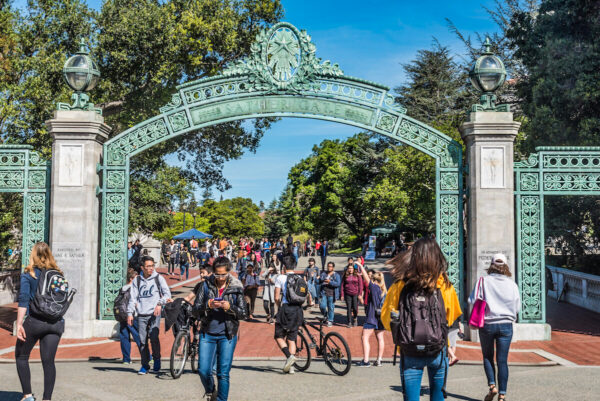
(576, 288)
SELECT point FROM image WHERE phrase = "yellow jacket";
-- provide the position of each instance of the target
(392, 298)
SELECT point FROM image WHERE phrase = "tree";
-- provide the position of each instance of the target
(232, 218)
(275, 226)
(144, 48)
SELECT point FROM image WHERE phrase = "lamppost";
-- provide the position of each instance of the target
(82, 75)
(487, 75)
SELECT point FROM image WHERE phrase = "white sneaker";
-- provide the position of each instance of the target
(288, 363)
(291, 372)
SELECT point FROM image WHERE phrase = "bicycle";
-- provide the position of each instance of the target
(182, 348)
(331, 346)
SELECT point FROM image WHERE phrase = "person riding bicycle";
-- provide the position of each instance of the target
(220, 305)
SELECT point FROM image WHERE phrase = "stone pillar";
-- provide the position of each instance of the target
(489, 137)
(74, 213)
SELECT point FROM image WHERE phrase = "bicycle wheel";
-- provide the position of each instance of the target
(302, 353)
(337, 353)
(179, 353)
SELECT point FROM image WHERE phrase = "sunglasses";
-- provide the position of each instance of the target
(220, 275)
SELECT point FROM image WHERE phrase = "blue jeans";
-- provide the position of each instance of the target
(411, 373)
(221, 348)
(185, 268)
(501, 335)
(327, 305)
(124, 331)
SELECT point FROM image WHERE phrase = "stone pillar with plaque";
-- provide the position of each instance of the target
(74, 214)
(489, 137)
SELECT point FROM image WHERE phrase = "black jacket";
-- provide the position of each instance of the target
(234, 294)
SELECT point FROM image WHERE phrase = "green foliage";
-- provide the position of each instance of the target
(144, 49)
(274, 221)
(231, 218)
(11, 221)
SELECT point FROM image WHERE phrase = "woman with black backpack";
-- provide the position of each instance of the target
(35, 326)
(421, 285)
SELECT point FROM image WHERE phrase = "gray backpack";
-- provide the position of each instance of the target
(297, 289)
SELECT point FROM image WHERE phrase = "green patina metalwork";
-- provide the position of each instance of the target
(550, 171)
(23, 170)
(487, 75)
(282, 77)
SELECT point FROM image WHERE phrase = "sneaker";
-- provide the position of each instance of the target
(364, 364)
(142, 371)
(126, 362)
(329, 324)
(288, 363)
(291, 372)
(30, 398)
(156, 366)
(378, 363)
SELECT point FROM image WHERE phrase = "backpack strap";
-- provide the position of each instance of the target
(157, 281)
(139, 283)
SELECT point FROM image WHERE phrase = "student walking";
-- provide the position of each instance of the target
(126, 330)
(421, 286)
(351, 289)
(503, 303)
(173, 252)
(311, 275)
(32, 327)
(185, 260)
(373, 324)
(251, 283)
(149, 293)
(289, 318)
(221, 306)
(330, 283)
(270, 277)
(324, 250)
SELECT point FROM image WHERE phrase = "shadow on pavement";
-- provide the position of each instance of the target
(273, 370)
(10, 396)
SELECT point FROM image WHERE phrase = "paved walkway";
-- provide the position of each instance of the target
(263, 380)
(575, 336)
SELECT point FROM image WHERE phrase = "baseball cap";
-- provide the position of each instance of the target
(499, 259)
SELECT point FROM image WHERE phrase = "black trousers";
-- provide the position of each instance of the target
(48, 335)
(269, 308)
(351, 307)
(250, 297)
(171, 267)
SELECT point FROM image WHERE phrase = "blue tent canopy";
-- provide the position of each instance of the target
(193, 233)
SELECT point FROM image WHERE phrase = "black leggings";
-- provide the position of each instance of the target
(49, 336)
(351, 306)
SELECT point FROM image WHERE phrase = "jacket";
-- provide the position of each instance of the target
(451, 302)
(354, 286)
(145, 296)
(234, 294)
(334, 283)
(502, 299)
(269, 288)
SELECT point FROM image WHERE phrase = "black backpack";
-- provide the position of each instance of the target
(421, 327)
(120, 305)
(52, 298)
(297, 289)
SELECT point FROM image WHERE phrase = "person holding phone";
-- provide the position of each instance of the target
(220, 306)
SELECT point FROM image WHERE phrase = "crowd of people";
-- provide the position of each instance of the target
(226, 294)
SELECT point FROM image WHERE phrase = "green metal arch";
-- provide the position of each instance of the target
(254, 88)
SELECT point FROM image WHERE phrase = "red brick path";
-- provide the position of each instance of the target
(575, 337)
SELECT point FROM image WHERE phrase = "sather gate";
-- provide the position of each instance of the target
(282, 77)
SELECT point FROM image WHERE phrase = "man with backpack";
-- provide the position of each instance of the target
(291, 291)
(120, 311)
(149, 293)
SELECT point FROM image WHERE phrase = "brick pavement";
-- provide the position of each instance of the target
(575, 338)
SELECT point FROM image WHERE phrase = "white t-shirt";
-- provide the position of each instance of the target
(281, 283)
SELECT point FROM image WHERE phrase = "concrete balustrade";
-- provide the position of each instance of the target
(582, 289)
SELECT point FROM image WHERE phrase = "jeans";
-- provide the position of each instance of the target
(124, 331)
(411, 373)
(185, 268)
(148, 327)
(171, 267)
(351, 307)
(221, 348)
(327, 306)
(501, 335)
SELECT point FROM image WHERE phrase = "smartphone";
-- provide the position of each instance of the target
(218, 299)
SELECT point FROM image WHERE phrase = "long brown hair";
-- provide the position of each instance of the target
(500, 269)
(421, 265)
(42, 258)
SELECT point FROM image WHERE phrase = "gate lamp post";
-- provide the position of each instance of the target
(81, 73)
(487, 75)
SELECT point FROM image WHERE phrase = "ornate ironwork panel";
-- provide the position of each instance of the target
(23, 170)
(282, 77)
(551, 171)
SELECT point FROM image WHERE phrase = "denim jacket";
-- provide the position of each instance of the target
(335, 283)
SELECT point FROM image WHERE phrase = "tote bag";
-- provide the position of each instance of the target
(478, 314)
